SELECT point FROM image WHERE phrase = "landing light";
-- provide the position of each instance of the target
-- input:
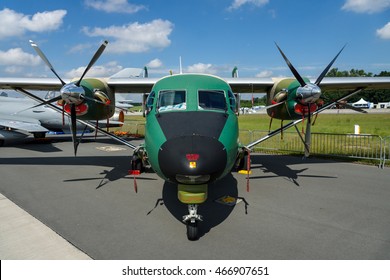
(192, 158)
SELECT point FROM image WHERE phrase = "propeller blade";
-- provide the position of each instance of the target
(308, 136)
(93, 60)
(272, 105)
(293, 70)
(55, 99)
(73, 127)
(41, 104)
(294, 123)
(44, 58)
(319, 79)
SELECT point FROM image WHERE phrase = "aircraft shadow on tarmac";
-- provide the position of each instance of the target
(277, 166)
(114, 167)
(39, 145)
(116, 173)
(213, 213)
(46, 144)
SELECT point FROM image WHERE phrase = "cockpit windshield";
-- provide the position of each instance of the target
(212, 100)
(171, 100)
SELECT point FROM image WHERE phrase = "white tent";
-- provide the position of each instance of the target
(361, 104)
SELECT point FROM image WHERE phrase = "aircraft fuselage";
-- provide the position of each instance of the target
(191, 134)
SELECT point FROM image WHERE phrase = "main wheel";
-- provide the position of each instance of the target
(192, 231)
(136, 164)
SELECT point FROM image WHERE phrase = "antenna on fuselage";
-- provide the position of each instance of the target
(146, 72)
(235, 72)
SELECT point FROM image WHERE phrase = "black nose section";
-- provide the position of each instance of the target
(192, 159)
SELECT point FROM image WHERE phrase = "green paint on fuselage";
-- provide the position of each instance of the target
(191, 84)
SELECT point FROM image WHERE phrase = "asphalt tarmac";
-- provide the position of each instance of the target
(295, 209)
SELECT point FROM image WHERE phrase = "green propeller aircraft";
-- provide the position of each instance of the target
(191, 134)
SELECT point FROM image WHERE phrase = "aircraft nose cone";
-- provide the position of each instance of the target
(192, 159)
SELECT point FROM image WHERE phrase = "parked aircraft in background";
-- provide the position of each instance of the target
(19, 115)
(191, 131)
(124, 104)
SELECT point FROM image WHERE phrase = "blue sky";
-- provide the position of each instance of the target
(210, 36)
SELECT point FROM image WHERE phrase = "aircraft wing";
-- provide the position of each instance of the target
(29, 125)
(350, 83)
(263, 85)
(132, 85)
(31, 83)
(256, 85)
(120, 85)
(238, 85)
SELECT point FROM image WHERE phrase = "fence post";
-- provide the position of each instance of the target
(369, 147)
(385, 151)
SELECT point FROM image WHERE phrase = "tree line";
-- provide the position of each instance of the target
(373, 96)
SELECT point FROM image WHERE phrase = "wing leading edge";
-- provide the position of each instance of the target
(238, 85)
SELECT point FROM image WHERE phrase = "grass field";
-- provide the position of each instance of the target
(367, 147)
(376, 124)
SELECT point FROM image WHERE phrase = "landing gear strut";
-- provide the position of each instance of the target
(191, 221)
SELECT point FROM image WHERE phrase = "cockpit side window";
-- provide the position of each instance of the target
(232, 101)
(149, 102)
(212, 100)
(171, 100)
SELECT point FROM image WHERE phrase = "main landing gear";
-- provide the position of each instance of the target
(191, 220)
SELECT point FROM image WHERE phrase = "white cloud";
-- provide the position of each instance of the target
(114, 6)
(105, 70)
(81, 47)
(384, 32)
(135, 37)
(13, 69)
(16, 57)
(366, 6)
(16, 24)
(155, 63)
(239, 3)
(264, 74)
(202, 68)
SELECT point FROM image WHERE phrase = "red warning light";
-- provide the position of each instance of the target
(192, 157)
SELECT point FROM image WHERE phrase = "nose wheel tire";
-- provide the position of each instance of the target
(192, 230)
(192, 220)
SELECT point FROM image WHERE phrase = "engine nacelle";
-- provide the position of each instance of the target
(294, 99)
(96, 103)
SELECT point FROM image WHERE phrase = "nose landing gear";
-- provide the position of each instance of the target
(191, 220)
(192, 195)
